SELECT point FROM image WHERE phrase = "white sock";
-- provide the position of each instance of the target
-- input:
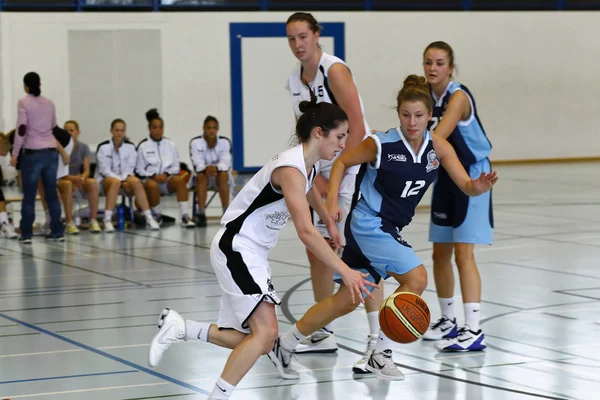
(472, 315)
(156, 210)
(373, 318)
(47, 213)
(329, 327)
(147, 214)
(447, 306)
(384, 343)
(3, 217)
(108, 215)
(183, 208)
(195, 330)
(222, 390)
(201, 211)
(291, 338)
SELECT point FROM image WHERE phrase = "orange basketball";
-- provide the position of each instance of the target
(404, 317)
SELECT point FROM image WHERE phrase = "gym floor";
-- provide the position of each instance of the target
(76, 318)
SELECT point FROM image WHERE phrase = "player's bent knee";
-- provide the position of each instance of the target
(267, 336)
(419, 281)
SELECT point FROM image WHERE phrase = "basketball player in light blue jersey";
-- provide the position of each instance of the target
(397, 167)
(458, 222)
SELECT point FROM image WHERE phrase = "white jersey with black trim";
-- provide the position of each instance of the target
(259, 211)
(320, 87)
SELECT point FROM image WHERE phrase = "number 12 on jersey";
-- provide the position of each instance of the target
(410, 190)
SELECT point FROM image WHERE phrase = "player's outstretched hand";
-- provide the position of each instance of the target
(485, 182)
(357, 283)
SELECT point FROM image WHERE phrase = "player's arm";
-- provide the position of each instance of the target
(292, 184)
(445, 152)
(315, 199)
(346, 94)
(366, 152)
(458, 109)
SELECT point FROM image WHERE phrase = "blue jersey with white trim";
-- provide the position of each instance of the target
(468, 138)
(394, 185)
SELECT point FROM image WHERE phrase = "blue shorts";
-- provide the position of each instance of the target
(375, 246)
(458, 218)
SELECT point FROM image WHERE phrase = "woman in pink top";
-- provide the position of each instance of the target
(34, 139)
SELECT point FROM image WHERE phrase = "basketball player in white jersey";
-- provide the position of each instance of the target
(331, 81)
(282, 188)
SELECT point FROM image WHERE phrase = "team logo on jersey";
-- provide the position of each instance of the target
(397, 157)
(270, 286)
(277, 219)
(433, 161)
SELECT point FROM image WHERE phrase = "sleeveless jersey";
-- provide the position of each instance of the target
(394, 185)
(259, 211)
(468, 138)
(320, 87)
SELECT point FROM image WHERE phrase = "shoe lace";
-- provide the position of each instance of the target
(439, 323)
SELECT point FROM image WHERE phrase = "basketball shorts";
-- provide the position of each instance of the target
(375, 246)
(244, 276)
(345, 203)
(458, 218)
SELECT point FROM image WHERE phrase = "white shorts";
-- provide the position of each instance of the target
(163, 187)
(244, 276)
(345, 202)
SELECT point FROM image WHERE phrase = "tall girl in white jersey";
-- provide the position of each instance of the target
(281, 189)
(329, 79)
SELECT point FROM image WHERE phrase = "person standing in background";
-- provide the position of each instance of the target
(36, 118)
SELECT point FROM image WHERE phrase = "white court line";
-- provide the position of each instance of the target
(211, 379)
(85, 390)
(72, 350)
(573, 346)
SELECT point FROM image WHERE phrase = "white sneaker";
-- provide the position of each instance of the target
(467, 340)
(8, 231)
(382, 366)
(322, 341)
(108, 227)
(443, 328)
(360, 366)
(171, 329)
(282, 359)
(152, 224)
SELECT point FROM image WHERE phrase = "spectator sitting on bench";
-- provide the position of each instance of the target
(79, 173)
(158, 167)
(6, 228)
(211, 157)
(115, 165)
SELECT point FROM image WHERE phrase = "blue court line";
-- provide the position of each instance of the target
(107, 355)
(69, 376)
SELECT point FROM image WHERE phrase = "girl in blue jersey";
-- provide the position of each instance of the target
(458, 222)
(397, 168)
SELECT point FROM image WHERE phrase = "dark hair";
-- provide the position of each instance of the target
(415, 89)
(116, 121)
(210, 118)
(440, 45)
(152, 115)
(326, 116)
(306, 17)
(32, 80)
